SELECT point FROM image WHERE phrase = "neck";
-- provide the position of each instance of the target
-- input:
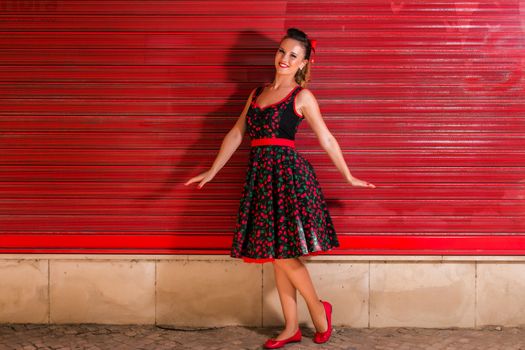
(282, 82)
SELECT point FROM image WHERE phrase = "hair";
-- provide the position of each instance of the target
(302, 77)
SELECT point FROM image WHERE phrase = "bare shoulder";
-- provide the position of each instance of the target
(306, 93)
(305, 101)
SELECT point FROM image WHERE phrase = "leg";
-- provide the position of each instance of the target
(300, 278)
(288, 297)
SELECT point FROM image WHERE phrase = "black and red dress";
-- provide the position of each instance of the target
(282, 212)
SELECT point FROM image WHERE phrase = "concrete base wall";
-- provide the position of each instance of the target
(216, 290)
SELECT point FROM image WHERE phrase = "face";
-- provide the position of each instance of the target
(291, 54)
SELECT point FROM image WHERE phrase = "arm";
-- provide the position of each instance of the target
(229, 145)
(309, 108)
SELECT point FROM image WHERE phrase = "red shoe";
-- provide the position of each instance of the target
(275, 344)
(322, 337)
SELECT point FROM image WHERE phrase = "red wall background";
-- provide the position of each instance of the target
(108, 107)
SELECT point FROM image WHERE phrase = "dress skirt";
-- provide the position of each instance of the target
(282, 212)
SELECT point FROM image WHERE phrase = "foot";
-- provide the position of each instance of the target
(272, 343)
(323, 337)
(286, 333)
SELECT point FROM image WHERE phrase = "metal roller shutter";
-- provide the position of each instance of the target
(108, 107)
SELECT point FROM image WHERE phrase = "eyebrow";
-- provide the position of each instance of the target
(285, 50)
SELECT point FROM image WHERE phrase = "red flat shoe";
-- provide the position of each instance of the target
(275, 344)
(322, 337)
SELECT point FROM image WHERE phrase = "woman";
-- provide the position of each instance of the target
(282, 213)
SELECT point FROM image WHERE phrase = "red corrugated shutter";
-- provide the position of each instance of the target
(108, 107)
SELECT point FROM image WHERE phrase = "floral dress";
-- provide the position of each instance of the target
(282, 212)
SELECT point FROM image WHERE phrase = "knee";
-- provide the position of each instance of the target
(285, 263)
(279, 263)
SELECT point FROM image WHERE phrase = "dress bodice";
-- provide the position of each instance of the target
(279, 119)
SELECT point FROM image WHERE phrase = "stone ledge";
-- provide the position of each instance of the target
(221, 257)
(196, 290)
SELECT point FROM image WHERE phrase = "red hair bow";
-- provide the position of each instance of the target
(313, 42)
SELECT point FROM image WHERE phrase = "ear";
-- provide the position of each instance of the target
(305, 62)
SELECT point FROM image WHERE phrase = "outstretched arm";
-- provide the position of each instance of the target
(229, 145)
(309, 108)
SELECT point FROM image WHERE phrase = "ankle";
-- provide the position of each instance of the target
(323, 321)
(293, 328)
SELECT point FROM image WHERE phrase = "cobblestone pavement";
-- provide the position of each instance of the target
(116, 337)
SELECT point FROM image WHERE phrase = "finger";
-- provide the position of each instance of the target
(192, 180)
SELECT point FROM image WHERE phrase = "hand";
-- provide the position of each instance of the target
(202, 177)
(360, 183)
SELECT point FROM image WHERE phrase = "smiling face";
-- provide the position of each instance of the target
(290, 57)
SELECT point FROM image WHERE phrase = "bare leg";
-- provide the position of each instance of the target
(288, 297)
(300, 278)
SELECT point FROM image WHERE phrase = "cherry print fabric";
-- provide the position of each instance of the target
(282, 211)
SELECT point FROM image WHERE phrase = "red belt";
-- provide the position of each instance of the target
(272, 141)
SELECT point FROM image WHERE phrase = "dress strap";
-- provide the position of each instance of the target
(297, 90)
(255, 95)
(259, 90)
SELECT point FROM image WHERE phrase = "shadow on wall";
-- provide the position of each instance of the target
(248, 63)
